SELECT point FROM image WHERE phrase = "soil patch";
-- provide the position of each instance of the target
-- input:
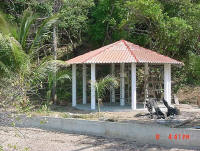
(188, 95)
(41, 140)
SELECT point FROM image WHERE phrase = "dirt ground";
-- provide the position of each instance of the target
(188, 111)
(29, 139)
(188, 94)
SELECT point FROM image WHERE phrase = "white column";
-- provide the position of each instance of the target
(133, 88)
(93, 80)
(84, 84)
(129, 84)
(74, 85)
(167, 83)
(146, 72)
(122, 85)
(112, 91)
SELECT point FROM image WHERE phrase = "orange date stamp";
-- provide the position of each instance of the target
(175, 136)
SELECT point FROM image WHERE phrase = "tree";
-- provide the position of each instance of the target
(107, 17)
(169, 27)
(18, 52)
(57, 5)
(103, 85)
(74, 21)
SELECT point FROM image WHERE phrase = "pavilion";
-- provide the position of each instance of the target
(121, 52)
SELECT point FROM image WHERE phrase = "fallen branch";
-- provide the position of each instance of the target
(142, 114)
(184, 122)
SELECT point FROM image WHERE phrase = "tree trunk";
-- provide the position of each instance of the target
(55, 58)
(57, 5)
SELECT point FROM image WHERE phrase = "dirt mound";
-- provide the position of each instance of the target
(188, 95)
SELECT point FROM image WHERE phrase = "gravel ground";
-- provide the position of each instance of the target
(29, 139)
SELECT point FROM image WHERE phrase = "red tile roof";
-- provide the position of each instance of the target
(122, 52)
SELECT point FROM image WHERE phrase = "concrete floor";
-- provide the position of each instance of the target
(110, 107)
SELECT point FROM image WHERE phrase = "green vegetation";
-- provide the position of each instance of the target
(27, 64)
(103, 85)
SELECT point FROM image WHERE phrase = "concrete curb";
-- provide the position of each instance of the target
(141, 133)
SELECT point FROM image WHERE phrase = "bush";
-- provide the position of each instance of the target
(194, 69)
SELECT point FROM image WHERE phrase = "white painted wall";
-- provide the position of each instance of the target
(93, 80)
(132, 131)
(167, 83)
(133, 86)
(74, 85)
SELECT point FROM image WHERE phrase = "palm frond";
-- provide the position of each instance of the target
(12, 55)
(104, 84)
(42, 31)
(26, 23)
(4, 69)
(19, 55)
(63, 76)
(43, 70)
(3, 25)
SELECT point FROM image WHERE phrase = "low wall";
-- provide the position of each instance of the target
(142, 133)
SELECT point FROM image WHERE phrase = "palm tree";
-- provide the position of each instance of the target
(18, 43)
(17, 53)
(104, 84)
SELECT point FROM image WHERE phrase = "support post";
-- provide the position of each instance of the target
(129, 84)
(122, 85)
(146, 72)
(112, 89)
(74, 85)
(133, 88)
(84, 84)
(93, 80)
(167, 83)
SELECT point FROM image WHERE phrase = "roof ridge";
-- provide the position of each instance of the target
(111, 45)
(130, 51)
